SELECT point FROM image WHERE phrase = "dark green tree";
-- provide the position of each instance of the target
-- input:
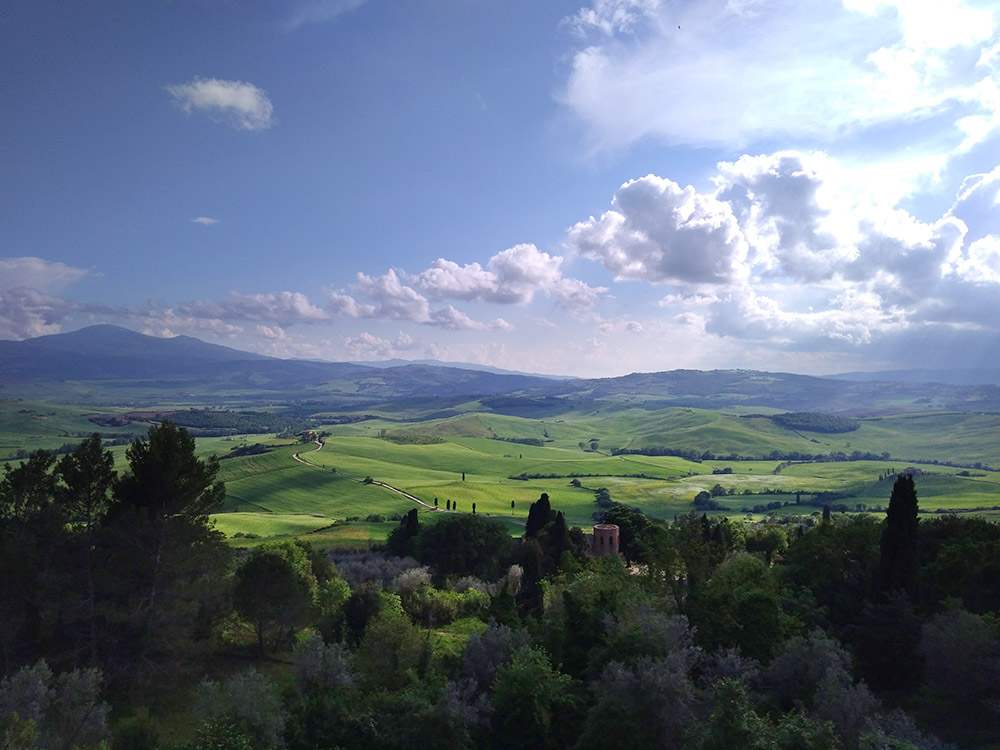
(87, 476)
(534, 705)
(398, 542)
(539, 514)
(465, 545)
(898, 558)
(271, 595)
(166, 564)
(33, 536)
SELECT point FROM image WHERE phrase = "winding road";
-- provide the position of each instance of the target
(414, 498)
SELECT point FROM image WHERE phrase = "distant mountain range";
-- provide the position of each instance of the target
(960, 376)
(397, 362)
(111, 365)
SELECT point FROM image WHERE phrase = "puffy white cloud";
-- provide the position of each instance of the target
(236, 103)
(205, 221)
(37, 273)
(366, 346)
(26, 313)
(392, 299)
(732, 72)
(166, 322)
(805, 222)
(512, 276)
(283, 308)
(978, 204)
(660, 232)
(26, 308)
(791, 254)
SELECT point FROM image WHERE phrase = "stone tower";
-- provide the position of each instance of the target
(605, 541)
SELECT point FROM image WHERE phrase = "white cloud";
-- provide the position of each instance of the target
(720, 72)
(37, 273)
(511, 277)
(660, 232)
(322, 11)
(26, 313)
(235, 103)
(166, 322)
(366, 346)
(791, 254)
(392, 299)
(204, 221)
(283, 308)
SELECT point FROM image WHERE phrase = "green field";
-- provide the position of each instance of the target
(470, 459)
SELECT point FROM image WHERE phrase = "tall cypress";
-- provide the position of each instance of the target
(898, 561)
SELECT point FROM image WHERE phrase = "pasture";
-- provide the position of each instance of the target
(330, 484)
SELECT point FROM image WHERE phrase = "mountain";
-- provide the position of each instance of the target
(961, 376)
(103, 364)
(397, 362)
(107, 351)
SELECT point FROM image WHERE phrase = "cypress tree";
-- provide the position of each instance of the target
(898, 560)
(539, 514)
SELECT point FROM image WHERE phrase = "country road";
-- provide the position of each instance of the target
(405, 494)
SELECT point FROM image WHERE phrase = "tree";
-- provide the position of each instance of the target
(165, 565)
(898, 560)
(271, 595)
(399, 540)
(465, 545)
(32, 533)
(53, 712)
(87, 477)
(539, 513)
(533, 703)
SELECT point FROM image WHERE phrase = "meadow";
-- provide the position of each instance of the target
(465, 460)
(501, 463)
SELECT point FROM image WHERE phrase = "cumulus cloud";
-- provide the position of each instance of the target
(37, 273)
(391, 299)
(167, 322)
(789, 253)
(26, 307)
(236, 103)
(283, 308)
(366, 346)
(205, 221)
(660, 232)
(26, 313)
(512, 276)
(720, 72)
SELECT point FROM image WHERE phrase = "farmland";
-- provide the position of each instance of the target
(460, 461)
(463, 453)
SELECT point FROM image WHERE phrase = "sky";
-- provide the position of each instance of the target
(549, 186)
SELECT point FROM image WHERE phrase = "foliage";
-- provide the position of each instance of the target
(898, 560)
(54, 711)
(815, 422)
(166, 562)
(273, 589)
(533, 704)
(464, 545)
(248, 702)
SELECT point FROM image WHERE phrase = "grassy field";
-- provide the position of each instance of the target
(330, 487)
(466, 460)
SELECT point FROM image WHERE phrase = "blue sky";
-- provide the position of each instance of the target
(564, 187)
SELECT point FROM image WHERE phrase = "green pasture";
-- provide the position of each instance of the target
(268, 524)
